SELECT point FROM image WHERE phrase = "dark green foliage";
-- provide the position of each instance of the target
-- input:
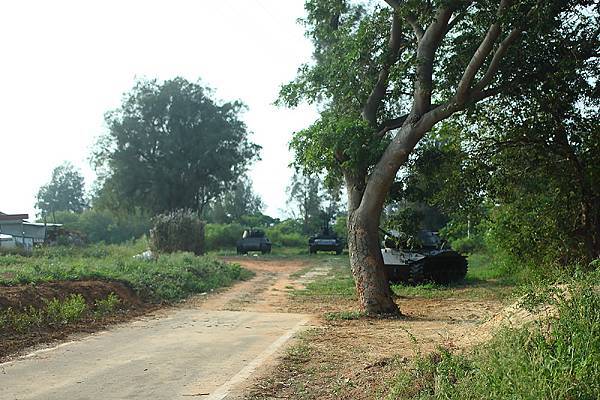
(64, 192)
(170, 146)
(314, 202)
(235, 204)
(179, 230)
(222, 236)
(105, 225)
(170, 278)
(407, 222)
(340, 227)
(557, 358)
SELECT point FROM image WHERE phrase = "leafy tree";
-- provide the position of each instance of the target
(526, 163)
(384, 76)
(171, 146)
(315, 204)
(64, 192)
(235, 203)
(305, 195)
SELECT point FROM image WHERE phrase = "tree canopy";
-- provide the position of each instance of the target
(235, 204)
(64, 192)
(385, 73)
(171, 146)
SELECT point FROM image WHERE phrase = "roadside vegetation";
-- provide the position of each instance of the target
(55, 313)
(170, 277)
(551, 358)
(353, 355)
(59, 290)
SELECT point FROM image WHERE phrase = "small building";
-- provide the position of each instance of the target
(23, 233)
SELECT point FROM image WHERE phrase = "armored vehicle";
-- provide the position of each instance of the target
(430, 261)
(326, 240)
(253, 240)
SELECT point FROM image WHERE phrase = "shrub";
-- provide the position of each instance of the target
(287, 234)
(219, 236)
(179, 230)
(472, 244)
(105, 226)
(107, 306)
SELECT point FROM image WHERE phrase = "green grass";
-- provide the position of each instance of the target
(557, 358)
(338, 282)
(482, 282)
(56, 313)
(170, 278)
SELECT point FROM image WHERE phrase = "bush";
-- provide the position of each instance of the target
(105, 226)
(469, 245)
(179, 230)
(340, 227)
(170, 278)
(287, 234)
(219, 236)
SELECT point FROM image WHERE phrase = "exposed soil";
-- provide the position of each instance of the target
(358, 358)
(267, 292)
(332, 359)
(22, 297)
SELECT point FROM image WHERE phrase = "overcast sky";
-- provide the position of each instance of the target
(65, 63)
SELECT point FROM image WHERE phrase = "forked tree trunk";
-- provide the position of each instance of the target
(366, 262)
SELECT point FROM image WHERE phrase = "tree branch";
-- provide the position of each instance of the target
(425, 55)
(391, 125)
(378, 93)
(498, 55)
(478, 58)
(417, 29)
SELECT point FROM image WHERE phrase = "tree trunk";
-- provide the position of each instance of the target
(366, 262)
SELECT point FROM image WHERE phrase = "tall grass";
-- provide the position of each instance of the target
(557, 358)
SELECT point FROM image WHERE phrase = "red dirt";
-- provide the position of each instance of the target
(23, 296)
(33, 295)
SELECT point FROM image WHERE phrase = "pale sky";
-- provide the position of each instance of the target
(65, 63)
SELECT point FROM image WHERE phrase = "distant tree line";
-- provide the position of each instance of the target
(171, 146)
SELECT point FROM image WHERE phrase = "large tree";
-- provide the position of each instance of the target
(64, 192)
(385, 74)
(170, 146)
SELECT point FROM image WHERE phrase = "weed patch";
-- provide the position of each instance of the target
(55, 313)
(557, 358)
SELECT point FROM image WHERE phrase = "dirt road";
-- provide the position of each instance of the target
(203, 349)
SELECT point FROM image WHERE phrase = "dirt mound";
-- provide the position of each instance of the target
(22, 296)
(514, 315)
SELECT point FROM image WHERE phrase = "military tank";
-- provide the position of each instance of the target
(326, 240)
(253, 240)
(429, 261)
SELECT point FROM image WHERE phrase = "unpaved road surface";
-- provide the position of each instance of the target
(203, 349)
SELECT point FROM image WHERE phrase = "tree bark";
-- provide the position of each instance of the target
(366, 262)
